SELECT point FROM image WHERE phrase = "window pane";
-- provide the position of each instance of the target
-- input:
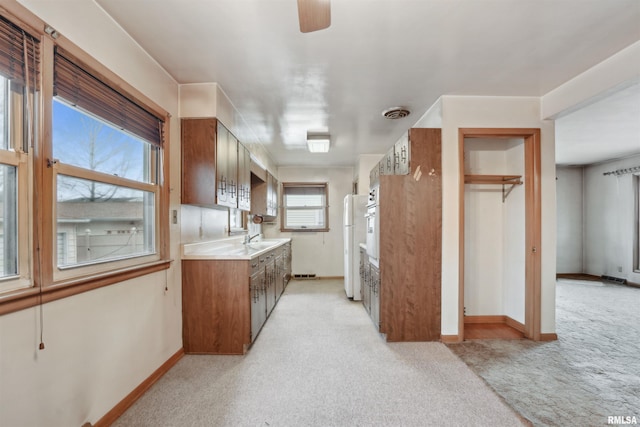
(296, 200)
(305, 218)
(99, 222)
(8, 222)
(82, 140)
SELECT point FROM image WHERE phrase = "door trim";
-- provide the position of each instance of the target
(533, 222)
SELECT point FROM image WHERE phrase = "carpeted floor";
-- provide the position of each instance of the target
(319, 362)
(590, 373)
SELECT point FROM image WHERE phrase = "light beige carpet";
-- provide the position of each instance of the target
(319, 362)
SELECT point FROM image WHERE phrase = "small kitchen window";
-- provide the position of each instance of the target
(305, 207)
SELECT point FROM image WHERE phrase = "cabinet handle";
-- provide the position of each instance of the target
(403, 154)
(223, 185)
(254, 293)
(396, 159)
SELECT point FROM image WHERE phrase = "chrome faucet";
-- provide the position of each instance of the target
(248, 239)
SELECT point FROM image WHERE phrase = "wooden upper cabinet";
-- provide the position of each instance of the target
(199, 162)
(272, 195)
(227, 168)
(212, 172)
(244, 178)
(264, 199)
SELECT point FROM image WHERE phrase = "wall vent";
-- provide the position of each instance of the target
(306, 276)
(612, 279)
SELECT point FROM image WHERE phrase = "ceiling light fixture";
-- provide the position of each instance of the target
(318, 142)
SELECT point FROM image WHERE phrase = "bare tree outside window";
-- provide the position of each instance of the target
(99, 217)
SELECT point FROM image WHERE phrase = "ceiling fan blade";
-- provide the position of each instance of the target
(314, 15)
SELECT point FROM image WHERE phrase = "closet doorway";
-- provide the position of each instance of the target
(500, 228)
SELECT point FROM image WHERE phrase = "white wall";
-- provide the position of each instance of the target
(569, 190)
(484, 223)
(494, 231)
(210, 100)
(610, 220)
(99, 345)
(499, 112)
(366, 162)
(317, 253)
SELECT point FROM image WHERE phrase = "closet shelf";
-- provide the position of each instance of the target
(510, 180)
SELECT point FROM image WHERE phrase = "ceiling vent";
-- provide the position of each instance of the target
(396, 113)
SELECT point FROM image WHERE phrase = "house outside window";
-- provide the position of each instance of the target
(305, 207)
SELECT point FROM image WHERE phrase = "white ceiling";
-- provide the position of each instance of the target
(376, 54)
(608, 128)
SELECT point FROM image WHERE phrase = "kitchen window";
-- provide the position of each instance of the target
(106, 167)
(305, 207)
(84, 192)
(18, 84)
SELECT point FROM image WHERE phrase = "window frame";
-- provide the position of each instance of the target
(285, 208)
(45, 286)
(16, 156)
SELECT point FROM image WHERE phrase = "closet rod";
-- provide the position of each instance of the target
(493, 179)
(624, 171)
(503, 180)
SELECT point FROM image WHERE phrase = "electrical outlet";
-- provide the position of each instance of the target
(619, 269)
(174, 216)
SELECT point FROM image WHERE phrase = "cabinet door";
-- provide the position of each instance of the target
(258, 304)
(244, 178)
(402, 155)
(232, 170)
(272, 195)
(280, 274)
(269, 276)
(287, 263)
(366, 297)
(375, 296)
(388, 162)
(222, 158)
(198, 162)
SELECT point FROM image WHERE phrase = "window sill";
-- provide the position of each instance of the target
(304, 230)
(25, 298)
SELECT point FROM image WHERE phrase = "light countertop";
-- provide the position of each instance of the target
(229, 249)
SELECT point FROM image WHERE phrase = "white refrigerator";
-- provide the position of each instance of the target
(354, 232)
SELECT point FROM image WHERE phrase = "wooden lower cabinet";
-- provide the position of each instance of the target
(225, 303)
(370, 288)
(374, 284)
(216, 312)
(258, 299)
